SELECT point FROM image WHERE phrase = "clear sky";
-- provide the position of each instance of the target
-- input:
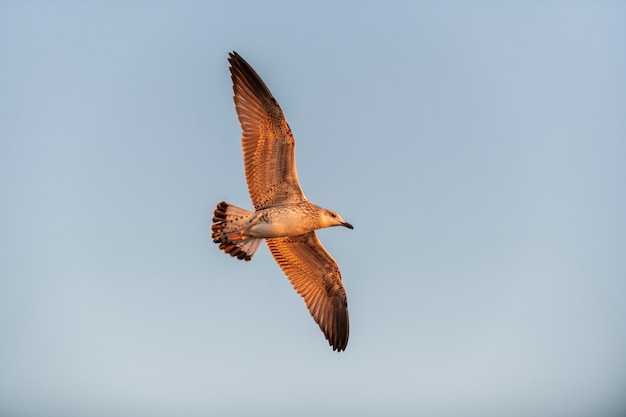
(479, 149)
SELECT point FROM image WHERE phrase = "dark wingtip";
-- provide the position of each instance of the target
(232, 56)
(339, 344)
(246, 77)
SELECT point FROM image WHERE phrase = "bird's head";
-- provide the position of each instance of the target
(330, 219)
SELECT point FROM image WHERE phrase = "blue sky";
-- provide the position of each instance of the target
(478, 148)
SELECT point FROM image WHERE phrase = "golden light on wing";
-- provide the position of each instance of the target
(314, 274)
(267, 142)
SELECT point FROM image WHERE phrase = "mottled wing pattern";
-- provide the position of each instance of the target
(267, 142)
(315, 276)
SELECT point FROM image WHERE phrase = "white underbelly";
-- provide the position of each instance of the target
(276, 229)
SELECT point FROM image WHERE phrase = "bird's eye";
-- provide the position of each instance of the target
(333, 214)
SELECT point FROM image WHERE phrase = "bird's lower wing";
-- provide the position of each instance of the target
(314, 274)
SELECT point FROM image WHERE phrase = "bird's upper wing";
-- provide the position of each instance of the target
(267, 142)
(314, 274)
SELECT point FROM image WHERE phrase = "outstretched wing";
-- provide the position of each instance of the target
(267, 142)
(314, 274)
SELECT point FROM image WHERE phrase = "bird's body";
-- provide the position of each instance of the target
(283, 216)
(285, 221)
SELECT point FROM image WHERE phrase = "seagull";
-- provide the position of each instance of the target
(282, 215)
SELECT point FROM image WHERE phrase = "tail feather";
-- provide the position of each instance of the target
(228, 227)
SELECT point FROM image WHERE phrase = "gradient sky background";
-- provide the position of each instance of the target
(479, 149)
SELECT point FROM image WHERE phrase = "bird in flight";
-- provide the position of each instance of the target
(282, 214)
